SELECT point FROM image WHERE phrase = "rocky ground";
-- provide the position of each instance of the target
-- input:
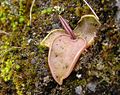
(23, 62)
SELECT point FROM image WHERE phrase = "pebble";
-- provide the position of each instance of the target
(78, 90)
(29, 41)
(46, 79)
(33, 61)
(78, 76)
(55, 26)
(92, 86)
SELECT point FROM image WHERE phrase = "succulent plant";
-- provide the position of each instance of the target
(65, 46)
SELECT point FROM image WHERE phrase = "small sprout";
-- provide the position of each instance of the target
(68, 45)
(58, 39)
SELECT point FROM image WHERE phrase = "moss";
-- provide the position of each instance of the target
(14, 68)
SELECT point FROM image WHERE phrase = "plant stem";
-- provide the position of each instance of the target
(67, 28)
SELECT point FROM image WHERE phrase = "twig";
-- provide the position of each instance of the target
(31, 11)
(91, 9)
(3, 32)
(8, 50)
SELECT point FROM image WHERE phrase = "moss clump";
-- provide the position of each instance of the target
(15, 69)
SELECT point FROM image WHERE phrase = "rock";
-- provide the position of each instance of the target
(92, 86)
(46, 79)
(78, 90)
(78, 76)
(29, 40)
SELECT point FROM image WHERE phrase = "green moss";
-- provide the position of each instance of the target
(13, 67)
(79, 82)
(6, 70)
(47, 11)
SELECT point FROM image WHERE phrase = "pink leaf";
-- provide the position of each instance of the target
(63, 55)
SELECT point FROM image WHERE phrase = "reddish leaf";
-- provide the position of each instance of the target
(63, 55)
